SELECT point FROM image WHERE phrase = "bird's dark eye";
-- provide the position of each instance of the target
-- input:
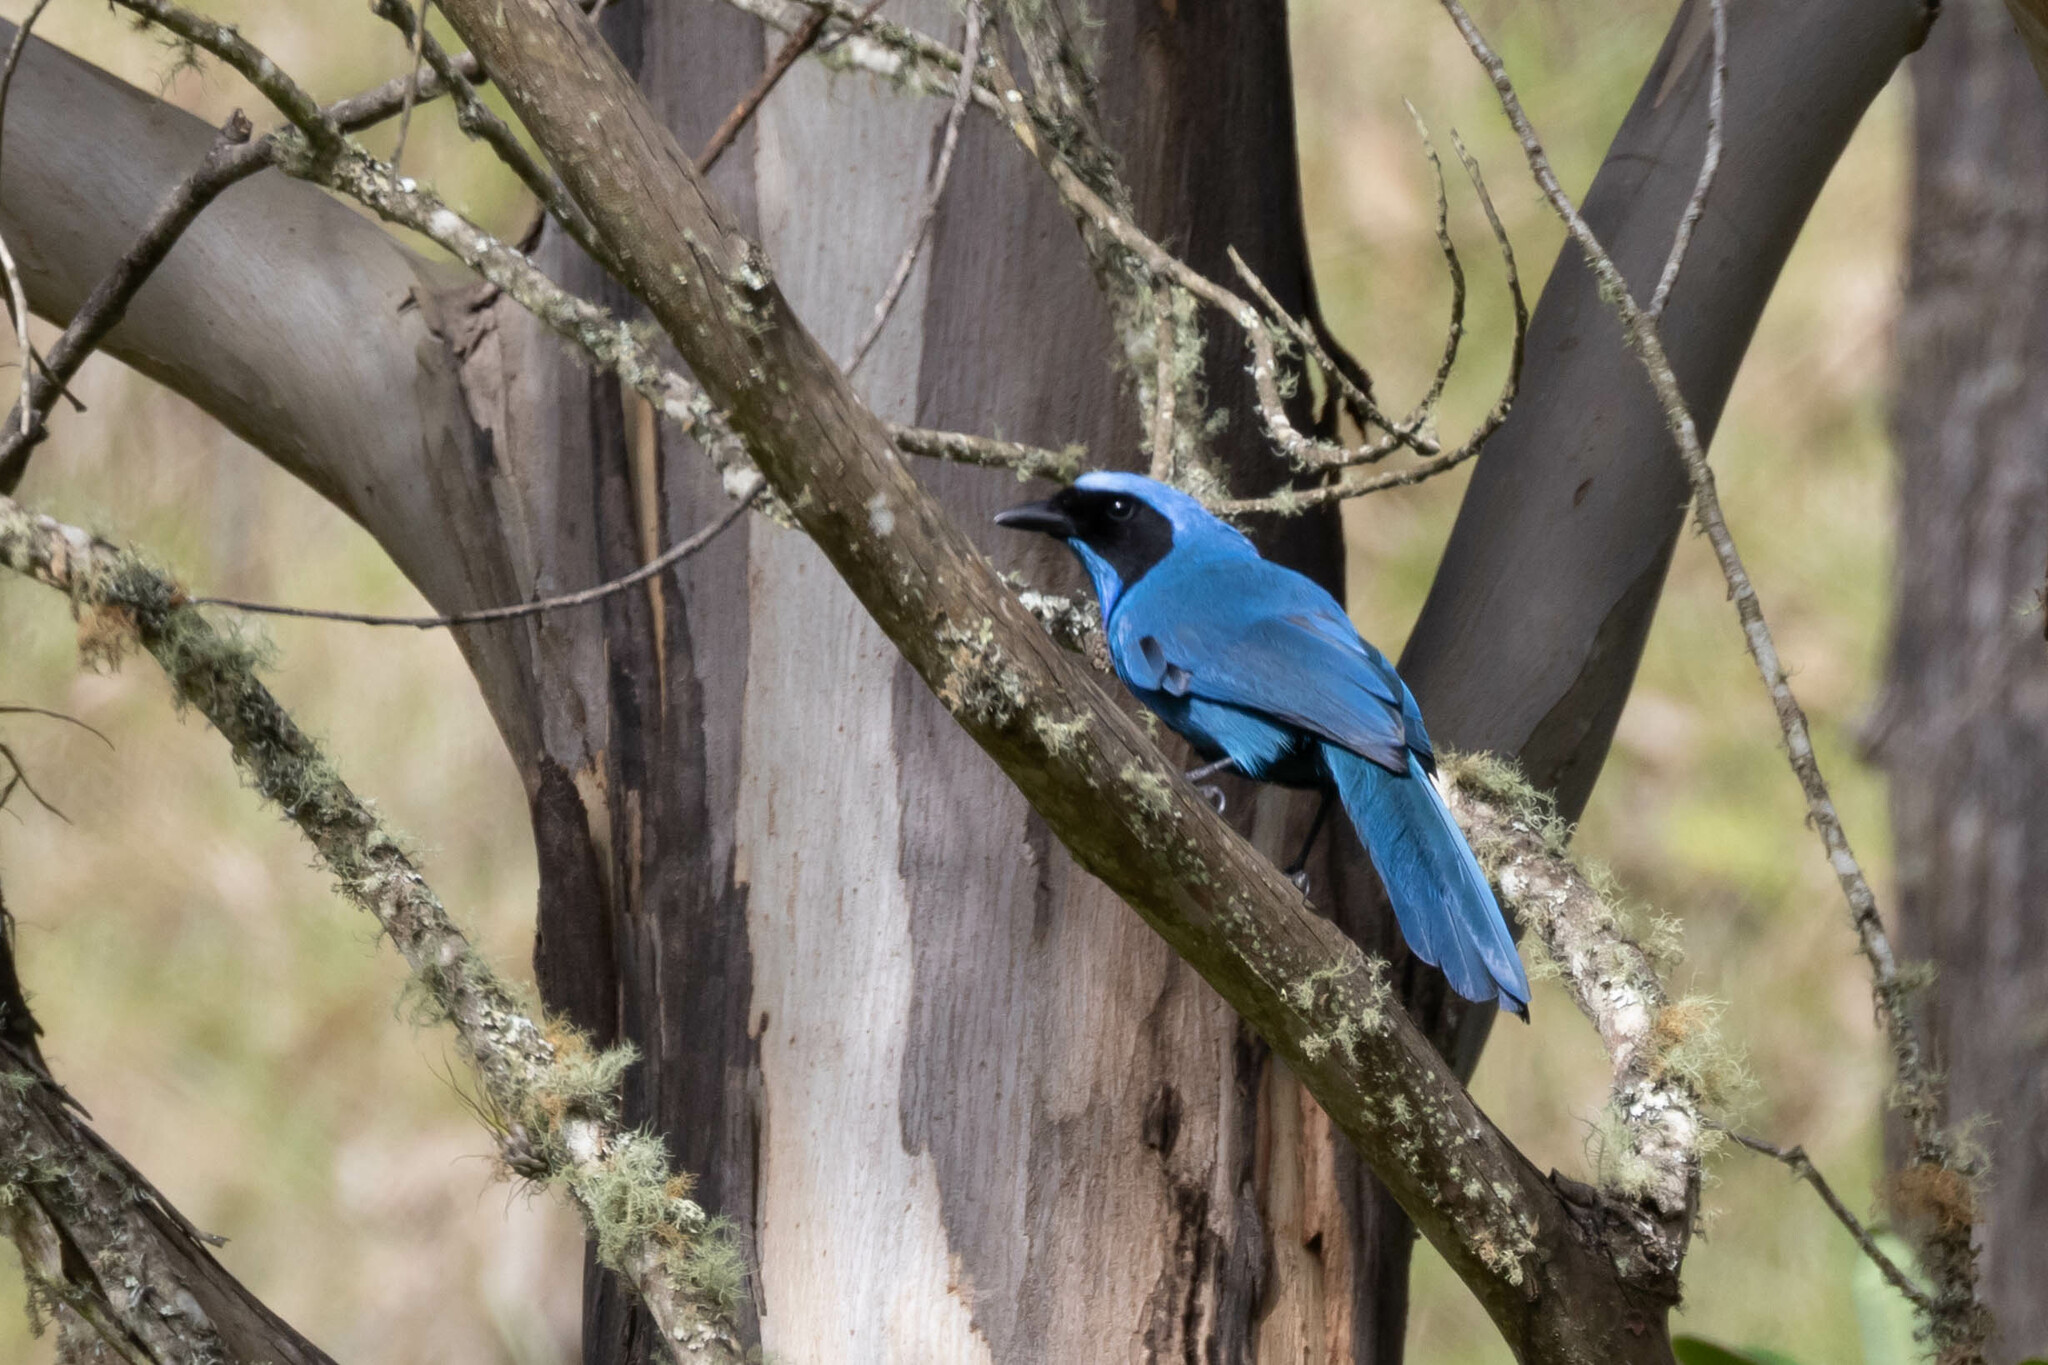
(1120, 509)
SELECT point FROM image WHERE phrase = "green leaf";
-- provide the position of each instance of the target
(1700, 1351)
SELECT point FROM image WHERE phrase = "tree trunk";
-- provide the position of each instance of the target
(1964, 731)
(965, 1105)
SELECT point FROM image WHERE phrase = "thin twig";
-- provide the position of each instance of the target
(232, 159)
(668, 559)
(17, 307)
(20, 779)
(14, 51)
(24, 709)
(1958, 1320)
(935, 190)
(1710, 162)
(1291, 501)
(1803, 1169)
(412, 80)
(744, 110)
(1456, 331)
(858, 26)
(17, 297)
(480, 122)
(289, 97)
(378, 103)
(226, 163)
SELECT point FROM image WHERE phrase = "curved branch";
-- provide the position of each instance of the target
(277, 312)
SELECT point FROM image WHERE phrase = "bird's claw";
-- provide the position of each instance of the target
(1299, 876)
(1215, 797)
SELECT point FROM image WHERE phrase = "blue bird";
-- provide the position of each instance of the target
(1261, 670)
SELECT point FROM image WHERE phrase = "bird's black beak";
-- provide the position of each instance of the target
(1038, 516)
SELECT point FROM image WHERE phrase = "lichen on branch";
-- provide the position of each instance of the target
(549, 1097)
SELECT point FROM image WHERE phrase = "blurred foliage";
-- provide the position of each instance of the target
(233, 1027)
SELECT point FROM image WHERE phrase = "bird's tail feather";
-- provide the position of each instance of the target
(1441, 899)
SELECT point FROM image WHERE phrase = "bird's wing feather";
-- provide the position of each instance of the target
(1270, 641)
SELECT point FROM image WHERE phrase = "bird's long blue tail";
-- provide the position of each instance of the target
(1446, 910)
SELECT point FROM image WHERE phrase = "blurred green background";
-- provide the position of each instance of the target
(234, 1028)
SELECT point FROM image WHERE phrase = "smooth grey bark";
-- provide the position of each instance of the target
(1964, 728)
(291, 319)
(1018, 967)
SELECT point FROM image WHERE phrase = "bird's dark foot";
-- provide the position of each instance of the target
(1215, 797)
(1208, 770)
(1299, 876)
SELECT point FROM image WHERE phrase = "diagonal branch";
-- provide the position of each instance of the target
(549, 1098)
(1116, 802)
(1802, 1168)
(477, 120)
(102, 1248)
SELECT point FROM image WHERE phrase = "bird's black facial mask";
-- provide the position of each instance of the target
(1127, 534)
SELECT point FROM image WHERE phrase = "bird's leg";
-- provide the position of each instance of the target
(1297, 871)
(1199, 776)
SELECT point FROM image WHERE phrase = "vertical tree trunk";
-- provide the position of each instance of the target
(964, 1104)
(1965, 728)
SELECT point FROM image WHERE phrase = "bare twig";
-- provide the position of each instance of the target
(14, 51)
(1456, 331)
(1710, 162)
(18, 777)
(17, 309)
(226, 163)
(1957, 1319)
(412, 78)
(1803, 1169)
(666, 560)
(17, 298)
(858, 26)
(373, 106)
(478, 120)
(233, 158)
(1289, 502)
(935, 190)
(24, 709)
(290, 99)
(799, 42)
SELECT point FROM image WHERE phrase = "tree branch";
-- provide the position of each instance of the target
(1803, 1169)
(549, 1098)
(653, 568)
(476, 119)
(100, 1246)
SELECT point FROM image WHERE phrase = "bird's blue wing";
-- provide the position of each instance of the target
(1254, 635)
